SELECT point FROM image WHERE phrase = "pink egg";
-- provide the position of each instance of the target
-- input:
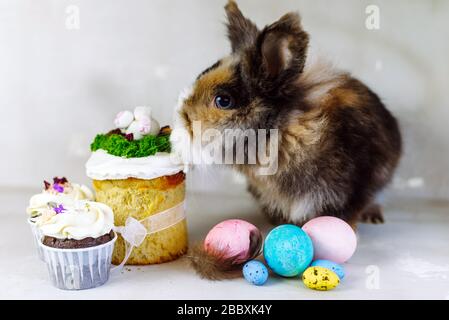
(232, 238)
(333, 239)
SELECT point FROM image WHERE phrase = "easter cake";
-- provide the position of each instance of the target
(135, 174)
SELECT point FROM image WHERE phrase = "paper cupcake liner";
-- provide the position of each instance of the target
(37, 238)
(79, 269)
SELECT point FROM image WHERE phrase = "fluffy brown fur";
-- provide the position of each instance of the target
(214, 265)
(338, 144)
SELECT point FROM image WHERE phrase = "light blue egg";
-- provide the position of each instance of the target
(335, 267)
(288, 250)
(255, 272)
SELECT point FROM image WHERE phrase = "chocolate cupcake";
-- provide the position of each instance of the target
(77, 243)
(42, 205)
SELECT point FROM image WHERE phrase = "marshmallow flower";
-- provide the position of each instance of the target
(142, 113)
(139, 128)
(155, 127)
(140, 123)
(123, 119)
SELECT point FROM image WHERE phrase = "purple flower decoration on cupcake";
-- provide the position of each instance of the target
(47, 185)
(58, 184)
(59, 209)
(62, 180)
(58, 188)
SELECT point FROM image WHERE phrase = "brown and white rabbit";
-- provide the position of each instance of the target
(338, 144)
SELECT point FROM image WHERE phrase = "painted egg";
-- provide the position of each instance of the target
(335, 267)
(333, 239)
(288, 250)
(319, 278)
(234, 239)
(255, 272)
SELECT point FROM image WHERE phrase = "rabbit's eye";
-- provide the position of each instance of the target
(224, 101)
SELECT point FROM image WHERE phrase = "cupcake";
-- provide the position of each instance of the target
(42, 205)
(77, 244)
(135, 174)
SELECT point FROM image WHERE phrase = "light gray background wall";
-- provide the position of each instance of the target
(61, 86)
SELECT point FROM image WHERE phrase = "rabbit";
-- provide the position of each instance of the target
(338, 145)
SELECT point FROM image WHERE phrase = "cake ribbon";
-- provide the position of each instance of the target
(135, 231)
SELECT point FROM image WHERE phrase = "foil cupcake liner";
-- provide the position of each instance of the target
(79, 269)
(37, 238)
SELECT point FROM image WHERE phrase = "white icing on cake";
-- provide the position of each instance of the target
(103, 166)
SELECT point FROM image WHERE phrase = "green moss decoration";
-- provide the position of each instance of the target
(118, 145)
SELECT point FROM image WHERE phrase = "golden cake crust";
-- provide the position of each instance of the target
(140, 199)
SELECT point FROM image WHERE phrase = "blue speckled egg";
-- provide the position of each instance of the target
(335, 267)
(288, 250)
(255, 272)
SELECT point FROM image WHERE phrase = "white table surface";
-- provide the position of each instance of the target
(408, 255)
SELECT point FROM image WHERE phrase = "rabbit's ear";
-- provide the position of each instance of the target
(283, 46)
(242, 32)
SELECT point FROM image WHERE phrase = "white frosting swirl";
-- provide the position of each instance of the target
(104, 166)
(82, 219)
(79, 192)
(39, 203)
